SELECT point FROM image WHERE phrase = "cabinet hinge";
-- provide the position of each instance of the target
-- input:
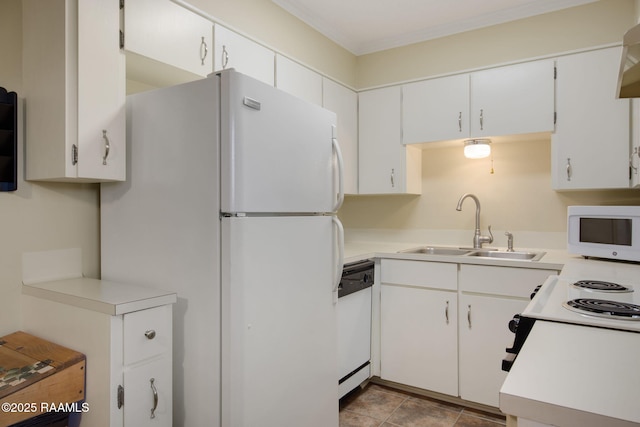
(555, 117)
(120, 396)
(555, 73)
(121, 35)
(74, 154)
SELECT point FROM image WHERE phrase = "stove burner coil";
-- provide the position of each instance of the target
(600, 286)
(603, 308)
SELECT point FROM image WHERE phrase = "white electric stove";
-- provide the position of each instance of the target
(578, 366)
(591, 293)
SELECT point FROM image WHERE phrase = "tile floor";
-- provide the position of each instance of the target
(380, 406)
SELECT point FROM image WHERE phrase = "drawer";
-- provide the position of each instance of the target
(147, 333)
(425, 274)
(508, 281)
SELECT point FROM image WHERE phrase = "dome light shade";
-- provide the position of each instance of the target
(477, 148)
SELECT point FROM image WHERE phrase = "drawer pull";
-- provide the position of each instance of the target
(150, 334)
(155, 397)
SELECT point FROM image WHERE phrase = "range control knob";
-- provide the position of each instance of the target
(513, 323)
(535, 291)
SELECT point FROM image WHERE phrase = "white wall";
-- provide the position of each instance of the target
(37, 216)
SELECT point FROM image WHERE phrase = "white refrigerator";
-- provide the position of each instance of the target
(230, 201)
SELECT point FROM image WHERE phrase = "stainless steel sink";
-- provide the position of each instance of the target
(434, 250)
(526, 256)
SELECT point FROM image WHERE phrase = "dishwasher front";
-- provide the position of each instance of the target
(354, 325)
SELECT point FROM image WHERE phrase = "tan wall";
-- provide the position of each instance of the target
(516, 197)
(37, 216)
(594, 24)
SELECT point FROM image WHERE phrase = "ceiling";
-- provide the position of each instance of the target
(366, 26)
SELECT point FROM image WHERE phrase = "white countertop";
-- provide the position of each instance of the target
(568, 375)
(554, 259)
(107, 297)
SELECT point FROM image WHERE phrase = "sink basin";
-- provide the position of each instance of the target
(433, 250)
(523, 256)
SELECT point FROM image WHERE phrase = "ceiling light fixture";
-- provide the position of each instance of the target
(477, 148)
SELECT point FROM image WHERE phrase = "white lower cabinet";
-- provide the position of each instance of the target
(125, 332)
(489, 297)
(484, 336)
(444, 326)
(418, 325)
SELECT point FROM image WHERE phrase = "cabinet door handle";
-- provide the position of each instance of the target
(481, 119)
(393, 178)
(150, 334)
(460, 121)
(203, 50)
(155, 397)
(225, 57)
(469, 315)
(446, 312)
(107, 146)
(569, 169)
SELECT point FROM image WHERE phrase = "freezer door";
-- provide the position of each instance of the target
(276, 150)
(279, 336)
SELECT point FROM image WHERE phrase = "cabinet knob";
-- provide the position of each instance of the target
(150, 334)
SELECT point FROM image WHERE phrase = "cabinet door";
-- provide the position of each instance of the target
(344, 102)
(76, 91)
(101, 93)
(590, 147)
(298, 80)
(435, 110)
(484, 336)
(169, 33)
(231, 50)
(148, 394)
(514, 99)
(385, 165)
(418, 338)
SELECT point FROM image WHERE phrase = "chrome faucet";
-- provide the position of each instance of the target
(478, 238)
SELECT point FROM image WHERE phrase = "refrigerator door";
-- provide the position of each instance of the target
(277, 151)
(279, 336)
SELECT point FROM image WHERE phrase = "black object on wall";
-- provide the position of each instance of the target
(8, 140)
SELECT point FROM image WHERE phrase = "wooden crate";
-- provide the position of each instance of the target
(36, 374)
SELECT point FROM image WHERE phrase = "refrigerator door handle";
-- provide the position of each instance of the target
(340, 259)
(336, 148)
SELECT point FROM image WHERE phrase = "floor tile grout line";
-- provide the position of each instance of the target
(397, 407)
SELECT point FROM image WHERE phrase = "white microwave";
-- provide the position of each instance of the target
(611, 232)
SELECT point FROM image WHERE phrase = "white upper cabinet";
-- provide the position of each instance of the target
(591, 145)
(514, 99)
(509, 100)
(385, 165)
(74, 86)
(231, 50)
(344, 102)
(298, 80)
(168, 33)
(436, 109)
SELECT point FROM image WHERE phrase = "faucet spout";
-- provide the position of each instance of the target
(478, 238)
